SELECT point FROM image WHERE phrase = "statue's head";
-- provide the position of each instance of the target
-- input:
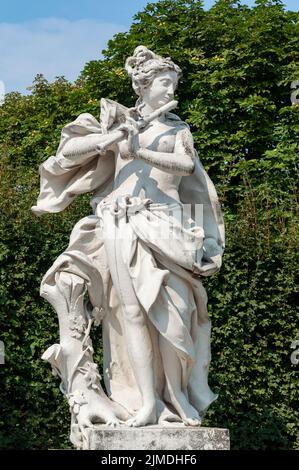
(154, 78)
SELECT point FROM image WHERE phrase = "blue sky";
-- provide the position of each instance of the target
(57, 37)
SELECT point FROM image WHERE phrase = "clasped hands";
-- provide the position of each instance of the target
(127, 136)
(130, 144)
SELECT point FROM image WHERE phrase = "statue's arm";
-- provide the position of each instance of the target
(86, 146)
(179, 162)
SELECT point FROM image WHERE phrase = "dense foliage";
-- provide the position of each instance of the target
(238, 64)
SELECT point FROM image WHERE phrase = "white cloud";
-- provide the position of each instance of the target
(51, 46)
(2, 92)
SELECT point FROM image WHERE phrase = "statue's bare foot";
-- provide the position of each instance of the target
(146, 415)
(186, 411)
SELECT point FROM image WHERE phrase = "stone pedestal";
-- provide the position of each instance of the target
(158, 438)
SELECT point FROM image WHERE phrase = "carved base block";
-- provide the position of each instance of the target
(158, 438)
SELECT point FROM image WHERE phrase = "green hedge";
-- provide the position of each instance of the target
(238, 65)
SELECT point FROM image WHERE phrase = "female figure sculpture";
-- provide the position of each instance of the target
(136, 265)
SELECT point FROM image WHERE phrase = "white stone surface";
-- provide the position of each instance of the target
(158, 438)
(136, 264)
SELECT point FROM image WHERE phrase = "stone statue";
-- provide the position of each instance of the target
(136, 265)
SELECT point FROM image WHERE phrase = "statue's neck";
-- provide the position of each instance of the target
(145, 109)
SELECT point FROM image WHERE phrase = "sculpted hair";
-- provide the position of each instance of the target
(144, 65)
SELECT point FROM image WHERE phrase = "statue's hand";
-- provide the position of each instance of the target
(130, 146)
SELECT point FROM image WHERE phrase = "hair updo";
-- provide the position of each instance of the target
(144, 65)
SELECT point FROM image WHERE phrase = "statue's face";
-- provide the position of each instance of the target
(161, 90)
